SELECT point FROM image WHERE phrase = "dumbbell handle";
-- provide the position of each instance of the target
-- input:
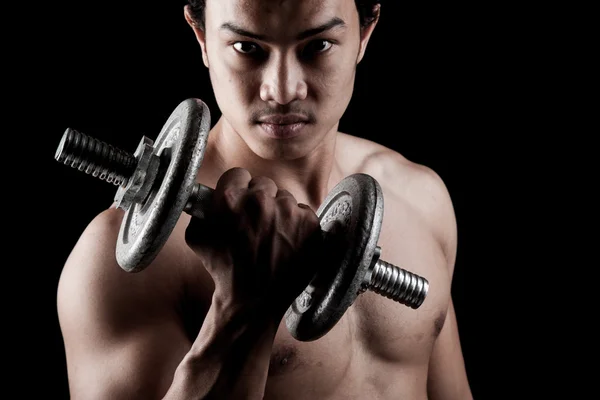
(116, 166)
(383, 278)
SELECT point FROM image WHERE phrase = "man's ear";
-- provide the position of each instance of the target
(198, 31)
(365, 33)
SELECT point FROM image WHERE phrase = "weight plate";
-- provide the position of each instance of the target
(351, 217)
(180, 147)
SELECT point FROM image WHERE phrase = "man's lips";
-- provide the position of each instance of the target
(283, 131)
(287, 119)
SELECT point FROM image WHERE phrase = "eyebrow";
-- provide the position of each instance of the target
(332, 23)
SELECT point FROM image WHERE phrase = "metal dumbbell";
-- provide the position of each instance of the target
(158, 182)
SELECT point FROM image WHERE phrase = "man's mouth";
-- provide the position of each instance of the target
(283, 119)
(283, 131)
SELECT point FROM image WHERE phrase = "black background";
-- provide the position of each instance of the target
(436, 85)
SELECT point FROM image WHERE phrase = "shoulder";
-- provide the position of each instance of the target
(93, 289)
(403, 180)
(92, 257)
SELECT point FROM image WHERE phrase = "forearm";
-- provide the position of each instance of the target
(230, 357)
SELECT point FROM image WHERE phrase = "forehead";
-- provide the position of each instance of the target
(275, 15)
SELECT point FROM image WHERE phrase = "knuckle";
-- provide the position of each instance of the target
(262, 183)
(261, 194)
(285, 195)
(287, 201)
(237, 171)
(261, 180)
(233, 173)
(304, 219)
(312, 219)
(231, 196)
(258, 201)
(287, 207)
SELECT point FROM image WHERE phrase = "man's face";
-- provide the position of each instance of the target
(282, 70)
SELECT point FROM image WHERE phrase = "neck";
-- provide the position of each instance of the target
(308, 178)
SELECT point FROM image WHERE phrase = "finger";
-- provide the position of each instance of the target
(310, 216)
(288, 206)
(230, 186)
(263, 183)
(234, 177)
(285, 195)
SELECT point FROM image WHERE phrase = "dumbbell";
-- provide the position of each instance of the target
(157, 183)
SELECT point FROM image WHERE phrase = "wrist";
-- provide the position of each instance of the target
(227, 322)
(231, 352)
(263, 312)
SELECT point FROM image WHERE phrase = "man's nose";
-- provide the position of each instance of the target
(283, 80)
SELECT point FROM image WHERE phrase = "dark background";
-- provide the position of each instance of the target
(437, 85)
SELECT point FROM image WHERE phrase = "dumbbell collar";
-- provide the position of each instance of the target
(141, 181)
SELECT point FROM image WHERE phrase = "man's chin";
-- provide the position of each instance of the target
(268, 148)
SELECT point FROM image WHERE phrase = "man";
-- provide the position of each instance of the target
(205, 319)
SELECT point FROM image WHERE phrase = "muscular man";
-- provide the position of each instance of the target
(205, 319)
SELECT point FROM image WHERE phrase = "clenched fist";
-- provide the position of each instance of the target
(260, 245)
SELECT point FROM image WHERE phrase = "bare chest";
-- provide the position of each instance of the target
(375, 334)
(389, 329)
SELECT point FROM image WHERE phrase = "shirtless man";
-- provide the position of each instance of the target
(202, 321)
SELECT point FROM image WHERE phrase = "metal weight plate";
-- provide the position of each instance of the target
(180, 147)
(352, 213)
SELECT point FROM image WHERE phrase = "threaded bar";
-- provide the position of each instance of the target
(398, 284)
(95, 157)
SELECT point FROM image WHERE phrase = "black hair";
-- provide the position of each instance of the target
(366, 11)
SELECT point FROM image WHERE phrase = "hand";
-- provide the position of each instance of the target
(259, 245)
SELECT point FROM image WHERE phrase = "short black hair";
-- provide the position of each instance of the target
(366, 11)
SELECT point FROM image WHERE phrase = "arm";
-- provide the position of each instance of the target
(447, 374)
(122, 341)
(124, 337)
(230, 358)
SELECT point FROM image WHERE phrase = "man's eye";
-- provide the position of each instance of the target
(318, 46)
(245, 47)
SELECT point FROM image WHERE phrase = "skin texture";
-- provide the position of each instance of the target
(164, 333)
